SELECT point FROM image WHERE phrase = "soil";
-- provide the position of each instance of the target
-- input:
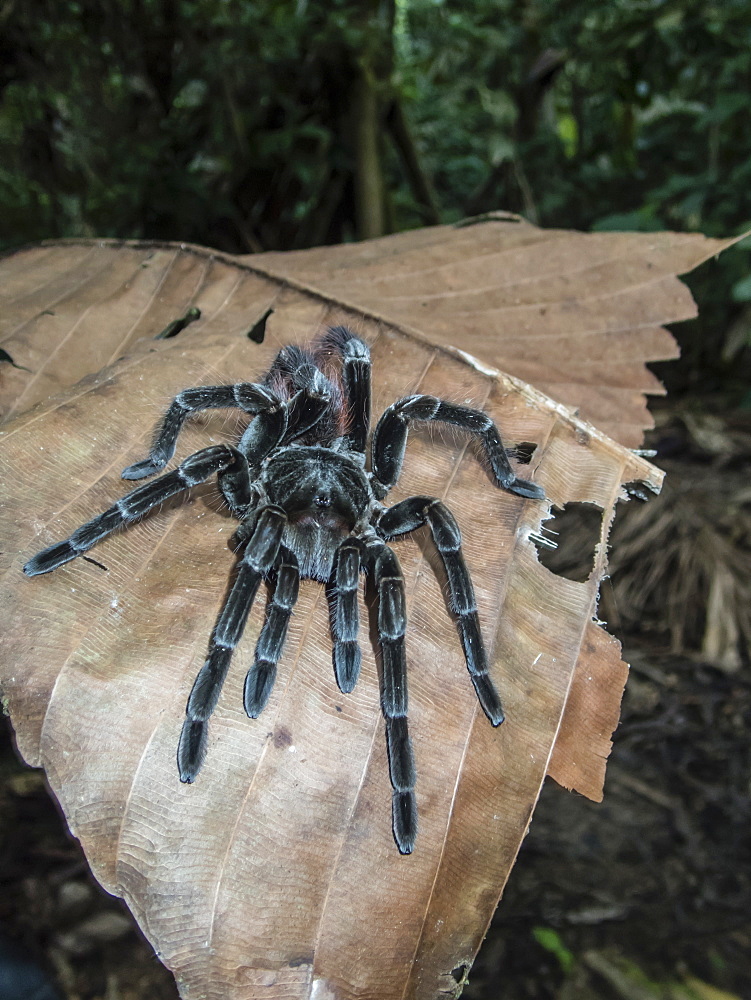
(652, 887)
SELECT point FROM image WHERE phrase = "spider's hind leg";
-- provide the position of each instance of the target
(261, 676)
(392, 625)
(257, 562)
(343, 592)
(410, 514)
(246, 396)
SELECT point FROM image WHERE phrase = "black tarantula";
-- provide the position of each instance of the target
(307, 507)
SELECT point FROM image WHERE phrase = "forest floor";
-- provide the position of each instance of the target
(646, 896)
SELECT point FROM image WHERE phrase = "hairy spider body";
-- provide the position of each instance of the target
(308, 508)
(324, 495)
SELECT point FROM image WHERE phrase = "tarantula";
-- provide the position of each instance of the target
(308, 508)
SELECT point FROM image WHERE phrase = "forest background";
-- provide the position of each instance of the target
(275, 125)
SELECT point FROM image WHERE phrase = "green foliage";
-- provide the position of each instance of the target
(173, 117)
(231, 123)
(646, 114)
(629, 114)
(179, 119)
(550, 940)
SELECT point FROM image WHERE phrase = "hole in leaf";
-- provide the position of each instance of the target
(460, 972)
(523, 452)
(178, 325)
(4, 356)
(567, 542)
(258, 331)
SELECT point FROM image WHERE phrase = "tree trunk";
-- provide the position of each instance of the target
(369, 206)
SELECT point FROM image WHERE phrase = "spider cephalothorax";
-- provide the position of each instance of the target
(297, 482)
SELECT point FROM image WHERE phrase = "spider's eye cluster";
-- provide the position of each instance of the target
(322, 501)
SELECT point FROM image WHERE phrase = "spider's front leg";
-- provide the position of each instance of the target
(356, 376)
(222, 459)
(257, 562)
(392, 624)
(410, 514)
(390, 441)
(355, 359)
(246, 396)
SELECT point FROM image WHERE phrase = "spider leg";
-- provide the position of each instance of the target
(261, 676)
(390, 440)
(195, 469)
(355, 356)
(295, 373)
(258, 560)
(392, 624)
(234, 484)
(282, 423)
(345, 616)
(356, 376)
(307, 406)
(247, 396)
(410, 514)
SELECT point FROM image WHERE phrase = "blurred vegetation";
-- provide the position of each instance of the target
(279, 124)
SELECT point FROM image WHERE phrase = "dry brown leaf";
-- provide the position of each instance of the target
(275, 874)
(583, 744)
(577, 315)
(277, 869)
